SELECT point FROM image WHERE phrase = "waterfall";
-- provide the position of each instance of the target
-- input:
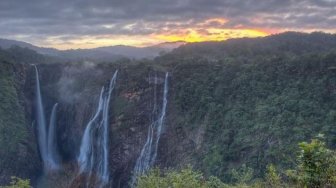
(41, 122)
(161, 118)
(93, 156)
(51, 150)
(46, 141)
(149, 151)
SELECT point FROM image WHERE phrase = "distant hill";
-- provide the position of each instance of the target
(234, 107)
(5, 44)
(18, 54)
(101, 53)
(279, 44)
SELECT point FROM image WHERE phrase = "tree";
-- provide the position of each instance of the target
(316, 165)
(272, 178)
(185, 178)
(18, 183)
(243, 175)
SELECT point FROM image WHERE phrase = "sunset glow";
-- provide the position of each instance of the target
(211, 34)
(212, 29)
(90, 24)
(87, 42)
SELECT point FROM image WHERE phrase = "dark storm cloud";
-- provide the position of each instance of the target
(45, 18)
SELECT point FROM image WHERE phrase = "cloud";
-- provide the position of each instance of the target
(42, 21)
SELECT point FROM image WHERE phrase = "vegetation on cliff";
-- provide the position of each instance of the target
(18, 183)
(15, 150)
(316, 167)
(12, 122)
(235, 108)
(256, 110)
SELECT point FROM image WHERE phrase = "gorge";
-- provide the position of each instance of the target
(215, 106)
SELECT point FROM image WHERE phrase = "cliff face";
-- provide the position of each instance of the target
(243, 108)
(76, 89)
(214, 112)
(19, 156)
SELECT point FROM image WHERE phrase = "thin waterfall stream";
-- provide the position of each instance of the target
(149, 151)
(93, 157)
(46, 135)
(51, 147)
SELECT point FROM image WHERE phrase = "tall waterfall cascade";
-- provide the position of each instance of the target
(149, 151)
(51, 147)
(93, 156)
(46, 135)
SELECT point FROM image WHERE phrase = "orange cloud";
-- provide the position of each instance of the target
(210, 30)
(213, 29)
(213, 35)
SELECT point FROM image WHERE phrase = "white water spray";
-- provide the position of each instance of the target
(41, 122)
(93, 157)
(51, 148)
(149, 151)
(47, 141)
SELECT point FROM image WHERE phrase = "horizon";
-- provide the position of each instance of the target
(167, 93)
(85, 25)
(167, 42)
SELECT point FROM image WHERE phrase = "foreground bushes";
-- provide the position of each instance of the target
(185, 178)
(18, 183)
(316, 167)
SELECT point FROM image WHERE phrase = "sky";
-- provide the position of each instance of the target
(66, 24)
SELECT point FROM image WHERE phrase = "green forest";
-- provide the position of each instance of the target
(266, 108)
(315, 167)
(256, 112)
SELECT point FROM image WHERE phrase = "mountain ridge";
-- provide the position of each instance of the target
(99, 53)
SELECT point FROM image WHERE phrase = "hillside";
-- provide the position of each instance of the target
(108, 53)
(289, 43)
(231, 105)
(17, 142)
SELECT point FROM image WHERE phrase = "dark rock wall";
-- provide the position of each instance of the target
(19, 155)
(77, 87)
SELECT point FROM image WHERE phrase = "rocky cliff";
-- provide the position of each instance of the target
(237, 110)
(19, 155)
(76, 89)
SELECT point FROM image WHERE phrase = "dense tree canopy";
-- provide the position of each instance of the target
(256, 108)
(316, 167)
